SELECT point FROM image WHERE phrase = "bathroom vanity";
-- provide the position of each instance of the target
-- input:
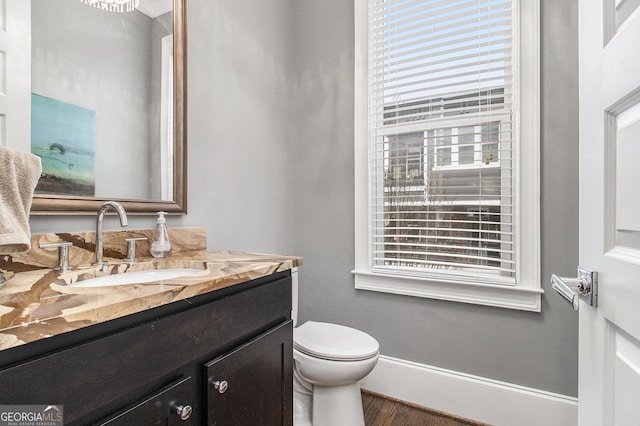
(216, 351)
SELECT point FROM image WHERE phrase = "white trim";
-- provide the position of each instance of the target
(361, 136)
(526, 294)
(528, 154)
(166, 119)
(502, 296)
(473, 397)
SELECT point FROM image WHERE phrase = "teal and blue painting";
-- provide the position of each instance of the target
(64, 137)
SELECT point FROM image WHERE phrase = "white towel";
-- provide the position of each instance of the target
(19, 174)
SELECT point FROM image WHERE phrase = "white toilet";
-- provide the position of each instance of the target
(329, 362)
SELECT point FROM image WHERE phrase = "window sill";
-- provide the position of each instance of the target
(502, 296)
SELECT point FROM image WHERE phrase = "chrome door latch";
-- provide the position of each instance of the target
(584, 287)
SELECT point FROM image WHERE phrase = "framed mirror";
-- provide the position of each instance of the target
(108, 106)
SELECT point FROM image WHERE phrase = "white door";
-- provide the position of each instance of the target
(15, 74)
(609, 348)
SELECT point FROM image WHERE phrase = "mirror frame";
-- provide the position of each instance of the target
(46, 204)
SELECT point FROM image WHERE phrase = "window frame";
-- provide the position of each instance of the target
(526, 293)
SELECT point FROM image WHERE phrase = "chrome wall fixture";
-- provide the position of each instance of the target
(584, 286)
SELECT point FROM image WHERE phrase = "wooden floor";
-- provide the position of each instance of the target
(380, 410)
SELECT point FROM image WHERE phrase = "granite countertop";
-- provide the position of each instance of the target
(39, 303)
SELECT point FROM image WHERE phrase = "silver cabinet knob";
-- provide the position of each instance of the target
(220, 386)
(184, 411)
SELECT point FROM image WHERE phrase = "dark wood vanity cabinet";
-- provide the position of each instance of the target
(161, 366)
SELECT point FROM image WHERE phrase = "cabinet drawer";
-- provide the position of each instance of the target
(173, 405)
(252, 385)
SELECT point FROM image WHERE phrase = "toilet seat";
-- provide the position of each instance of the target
(334, 342)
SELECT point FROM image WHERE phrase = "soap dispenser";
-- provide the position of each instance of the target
(161, 245)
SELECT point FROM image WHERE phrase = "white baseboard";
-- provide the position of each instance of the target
(473, 397)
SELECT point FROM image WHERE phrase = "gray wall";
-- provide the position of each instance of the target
(239, 117)
(271, 169)
(530, 349)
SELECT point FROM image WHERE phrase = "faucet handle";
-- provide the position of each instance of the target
(63, 255)
(131, 248)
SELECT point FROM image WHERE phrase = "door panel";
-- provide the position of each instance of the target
(625, 370)
(626, 140)
(609, 348)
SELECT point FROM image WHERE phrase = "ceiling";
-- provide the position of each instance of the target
(155, 8)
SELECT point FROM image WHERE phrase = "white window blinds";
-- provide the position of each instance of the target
(441, 138)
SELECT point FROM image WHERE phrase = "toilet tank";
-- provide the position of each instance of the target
(294, 295)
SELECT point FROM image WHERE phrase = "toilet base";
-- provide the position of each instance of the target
(337, 405)
(302, 406)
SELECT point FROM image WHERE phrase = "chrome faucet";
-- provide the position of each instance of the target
(122, 214)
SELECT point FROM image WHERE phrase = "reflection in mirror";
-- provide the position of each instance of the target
(107, 117)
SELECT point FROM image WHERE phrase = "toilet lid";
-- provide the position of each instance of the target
(334, 342)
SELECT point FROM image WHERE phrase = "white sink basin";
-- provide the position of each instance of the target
(137, 277)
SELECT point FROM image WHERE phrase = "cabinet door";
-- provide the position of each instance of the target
(253, 384)
(173, 405)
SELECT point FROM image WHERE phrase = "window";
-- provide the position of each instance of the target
(446, 150)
